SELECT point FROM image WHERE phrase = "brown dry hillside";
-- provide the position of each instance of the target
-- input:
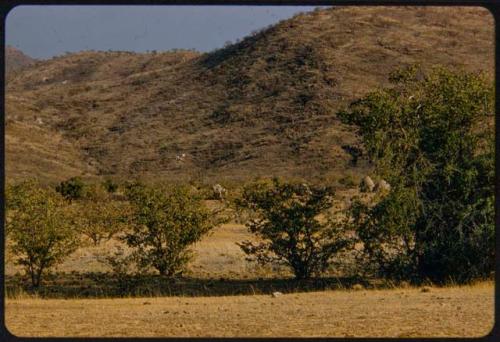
(263, 106)
(15, 59)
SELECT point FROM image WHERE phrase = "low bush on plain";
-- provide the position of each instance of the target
(288, 223)
(40, 229)
(164, 224)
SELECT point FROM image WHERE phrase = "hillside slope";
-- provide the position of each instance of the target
(15, 59)
(263, 106)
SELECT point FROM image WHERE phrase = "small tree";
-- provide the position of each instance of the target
(431, 136)
(40, 229)
(71, 189)
(98, 216)
(291, 228)
(165, 222)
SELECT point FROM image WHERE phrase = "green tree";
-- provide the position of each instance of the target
(14, 195)
(71, 189)
(98, 216)
(40, 231)
(293, 223)
(430, 135)
(165, 222)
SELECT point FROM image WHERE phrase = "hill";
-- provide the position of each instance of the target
(259, 107)
(15, 59)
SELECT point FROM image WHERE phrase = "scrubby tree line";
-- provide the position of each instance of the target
(429, 134)
(45, 225)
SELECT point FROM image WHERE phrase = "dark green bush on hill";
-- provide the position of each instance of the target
(71, 189)
(431, 136)
(289, 225)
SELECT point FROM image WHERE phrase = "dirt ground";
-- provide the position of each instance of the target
(453, 311)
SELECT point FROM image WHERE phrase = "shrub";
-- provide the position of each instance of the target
(165, 222)
(110, 186)
(289, 224)
(71, 189)
(98, 216)
(40, 229)
(430, 135)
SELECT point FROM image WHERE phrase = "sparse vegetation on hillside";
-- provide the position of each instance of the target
(263, 106)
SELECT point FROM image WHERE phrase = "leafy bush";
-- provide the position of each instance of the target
(71, 189)
(15, 194)
(40, 228)
(430, 135)
(98, 216)
(289, 224)
(165, 222)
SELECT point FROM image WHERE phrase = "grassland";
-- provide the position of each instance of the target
(403, 312)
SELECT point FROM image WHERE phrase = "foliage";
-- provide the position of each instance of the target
(40, 228)
(71, 189)
(98, 216)
(288, 223)
(165, 222)
(14, 196)
(430, 136)
(110, 186)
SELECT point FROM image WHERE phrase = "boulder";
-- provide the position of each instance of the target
(367, 184)
(383, 186)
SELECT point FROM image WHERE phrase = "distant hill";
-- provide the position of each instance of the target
(263, 106)
(15, 59)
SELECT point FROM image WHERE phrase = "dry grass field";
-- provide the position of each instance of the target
(449, 311)
(452, 311)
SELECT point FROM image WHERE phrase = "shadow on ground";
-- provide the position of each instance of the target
(105, 285)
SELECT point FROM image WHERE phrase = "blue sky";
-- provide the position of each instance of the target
(46, 31)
